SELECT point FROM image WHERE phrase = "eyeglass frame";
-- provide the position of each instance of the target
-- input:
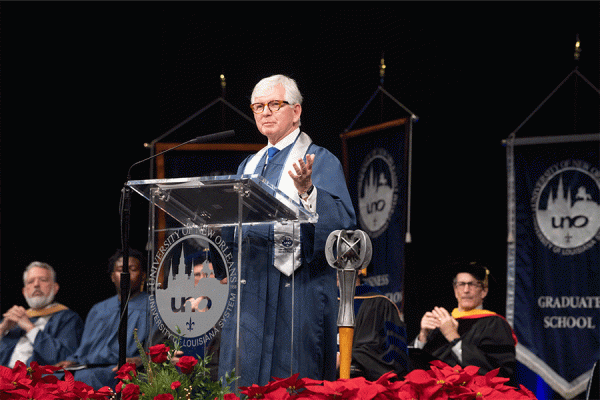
(279, 102)
(475, 285)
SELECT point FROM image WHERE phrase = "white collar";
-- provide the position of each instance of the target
(286, 141)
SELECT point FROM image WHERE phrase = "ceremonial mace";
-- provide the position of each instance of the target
(347, 251)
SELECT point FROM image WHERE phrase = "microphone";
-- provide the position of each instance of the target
(200, 139)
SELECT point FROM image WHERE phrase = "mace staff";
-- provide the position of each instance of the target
(348, 252)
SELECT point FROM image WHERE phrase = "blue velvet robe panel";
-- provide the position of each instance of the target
(100, 342)
(55, 343)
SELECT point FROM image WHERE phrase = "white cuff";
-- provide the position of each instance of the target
(311, 201)
(418, 344)
(31, 335)
(457, 350)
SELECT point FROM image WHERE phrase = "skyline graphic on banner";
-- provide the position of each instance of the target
(568, 209)
(377, 192)
(554, 203)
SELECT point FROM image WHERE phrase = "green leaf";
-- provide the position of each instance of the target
(143, 355)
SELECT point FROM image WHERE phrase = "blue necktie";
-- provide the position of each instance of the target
(272, 151)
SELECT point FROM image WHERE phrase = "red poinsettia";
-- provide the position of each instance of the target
(37, 392)
(292, 384)
(426, 384)
(456, 374)
(491, 386)
(84, 391)
(405, 391)
(254, 391)
(42, 373)
(337, 389)
(278, 394)
(366, 389)
(15, 378)
(158, 353)
(441, 381)
(527, 393)
(40, 383)
(492, 380)
(65, 388)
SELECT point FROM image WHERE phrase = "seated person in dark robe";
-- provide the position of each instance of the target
(98, 353)
(469, 335)
(47, 332)
(379, 343)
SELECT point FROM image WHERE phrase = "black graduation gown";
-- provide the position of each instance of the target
(487, 342)
(379, 344)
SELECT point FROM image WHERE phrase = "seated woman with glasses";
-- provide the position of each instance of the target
(469, 335)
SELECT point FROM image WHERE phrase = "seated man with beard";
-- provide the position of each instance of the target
(47, 332)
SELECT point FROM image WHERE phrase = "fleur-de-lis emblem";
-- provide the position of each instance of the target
(190, 324)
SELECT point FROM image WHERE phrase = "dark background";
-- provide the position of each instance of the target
(86, 84)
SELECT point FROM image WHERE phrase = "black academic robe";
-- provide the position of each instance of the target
(379, 344)
(487, 342)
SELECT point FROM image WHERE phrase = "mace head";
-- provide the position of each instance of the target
(348, 250)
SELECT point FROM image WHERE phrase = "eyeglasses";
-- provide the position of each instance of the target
(274, 105)
(461, 285)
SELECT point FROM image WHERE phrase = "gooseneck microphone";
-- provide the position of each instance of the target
(200, 139)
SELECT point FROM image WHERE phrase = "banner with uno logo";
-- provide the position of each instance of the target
(553, 296)
(376, 168)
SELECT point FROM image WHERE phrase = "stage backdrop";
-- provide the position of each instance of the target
(553, 293)
(375, 163)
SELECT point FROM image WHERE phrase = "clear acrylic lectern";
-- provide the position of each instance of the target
(195, 227)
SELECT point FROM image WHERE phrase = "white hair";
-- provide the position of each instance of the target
(39, 264)
(266, 85)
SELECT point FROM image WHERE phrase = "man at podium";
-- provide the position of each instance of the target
(313, 177)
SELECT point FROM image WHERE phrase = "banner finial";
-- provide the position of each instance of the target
(577, 53)
(381, 69)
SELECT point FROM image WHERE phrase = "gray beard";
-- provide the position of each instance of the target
(37, 302)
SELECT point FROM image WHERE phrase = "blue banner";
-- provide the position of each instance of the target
(377, 180)
(553, 297)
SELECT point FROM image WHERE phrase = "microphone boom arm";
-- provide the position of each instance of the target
(200, 139)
